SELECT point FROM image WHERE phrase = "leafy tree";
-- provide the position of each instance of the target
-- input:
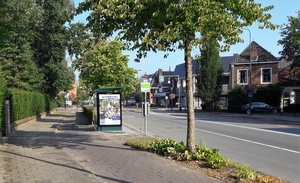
(78, 33)
(15, 50)
(209, 75)
(104, 65)
(82, 94)
(5, 10)
(50, 44)
(168, 25)
(290, 41)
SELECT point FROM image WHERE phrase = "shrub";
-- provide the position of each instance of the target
(88, 112)
(245, 172)
(141, 143)
(212, 157)
(270, 94)
(167, 147)
(236, 98)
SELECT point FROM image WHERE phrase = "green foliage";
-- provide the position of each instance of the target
(290, 40)
(209, 75)
(26, 104)
(158, 25)
(33, 45)
(212, 157)
(141, 143)
(15, 49)
(245, 172)
(51, 40)
(236, 98)
(270, 94)
(167, 146)
(104, 66)
(162, 25)
(88, 111)
(138, 97)
(82, 94)
(78, 33)
(3, 92)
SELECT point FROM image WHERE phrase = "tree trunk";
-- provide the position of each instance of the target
(190, 140)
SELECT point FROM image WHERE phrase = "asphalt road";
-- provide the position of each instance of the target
(272, 148)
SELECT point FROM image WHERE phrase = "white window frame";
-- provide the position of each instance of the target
(261, 75)
(239, 75)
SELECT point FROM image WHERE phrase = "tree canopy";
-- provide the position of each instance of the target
(146, 25)
(34, 38)
(103, 65)
(290, 41)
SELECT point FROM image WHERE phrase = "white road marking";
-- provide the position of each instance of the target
(244, 140)
(251, 128)
(238, 126)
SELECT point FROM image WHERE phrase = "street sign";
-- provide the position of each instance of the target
(172, 96)
(145, 87)
(250, 95)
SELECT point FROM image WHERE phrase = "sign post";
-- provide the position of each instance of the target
(145, 87)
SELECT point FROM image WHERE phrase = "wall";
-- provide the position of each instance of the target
(256, 73)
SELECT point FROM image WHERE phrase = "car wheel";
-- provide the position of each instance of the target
(248, 111)
(274, 111)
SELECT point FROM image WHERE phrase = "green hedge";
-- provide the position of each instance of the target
(25, 104)
(3, 92)
(88, 112)
(270, 94)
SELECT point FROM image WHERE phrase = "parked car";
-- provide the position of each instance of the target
(259, 107)
(131, 101)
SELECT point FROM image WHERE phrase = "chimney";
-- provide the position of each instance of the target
(160, 72)
(254, 53)
(236, 54)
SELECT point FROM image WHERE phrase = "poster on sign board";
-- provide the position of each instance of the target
(110, 112)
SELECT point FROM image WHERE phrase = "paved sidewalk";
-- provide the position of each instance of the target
(62, 147)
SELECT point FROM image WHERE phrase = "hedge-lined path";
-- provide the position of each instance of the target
(63, 147)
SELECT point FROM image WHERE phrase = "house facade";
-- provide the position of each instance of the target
(261, 70)
(254, 65)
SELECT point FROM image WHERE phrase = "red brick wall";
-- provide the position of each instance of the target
(256, 72)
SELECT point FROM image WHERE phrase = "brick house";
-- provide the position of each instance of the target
(262, 71)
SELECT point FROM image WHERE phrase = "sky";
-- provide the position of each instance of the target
(264, 37)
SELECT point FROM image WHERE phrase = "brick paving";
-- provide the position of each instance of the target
(63, 147)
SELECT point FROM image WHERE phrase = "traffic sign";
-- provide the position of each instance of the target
(145, 87)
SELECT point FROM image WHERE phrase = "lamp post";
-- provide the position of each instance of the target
(250, 70)
(178, 86)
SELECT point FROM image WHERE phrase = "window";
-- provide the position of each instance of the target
(242, 76)
(266, 75)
